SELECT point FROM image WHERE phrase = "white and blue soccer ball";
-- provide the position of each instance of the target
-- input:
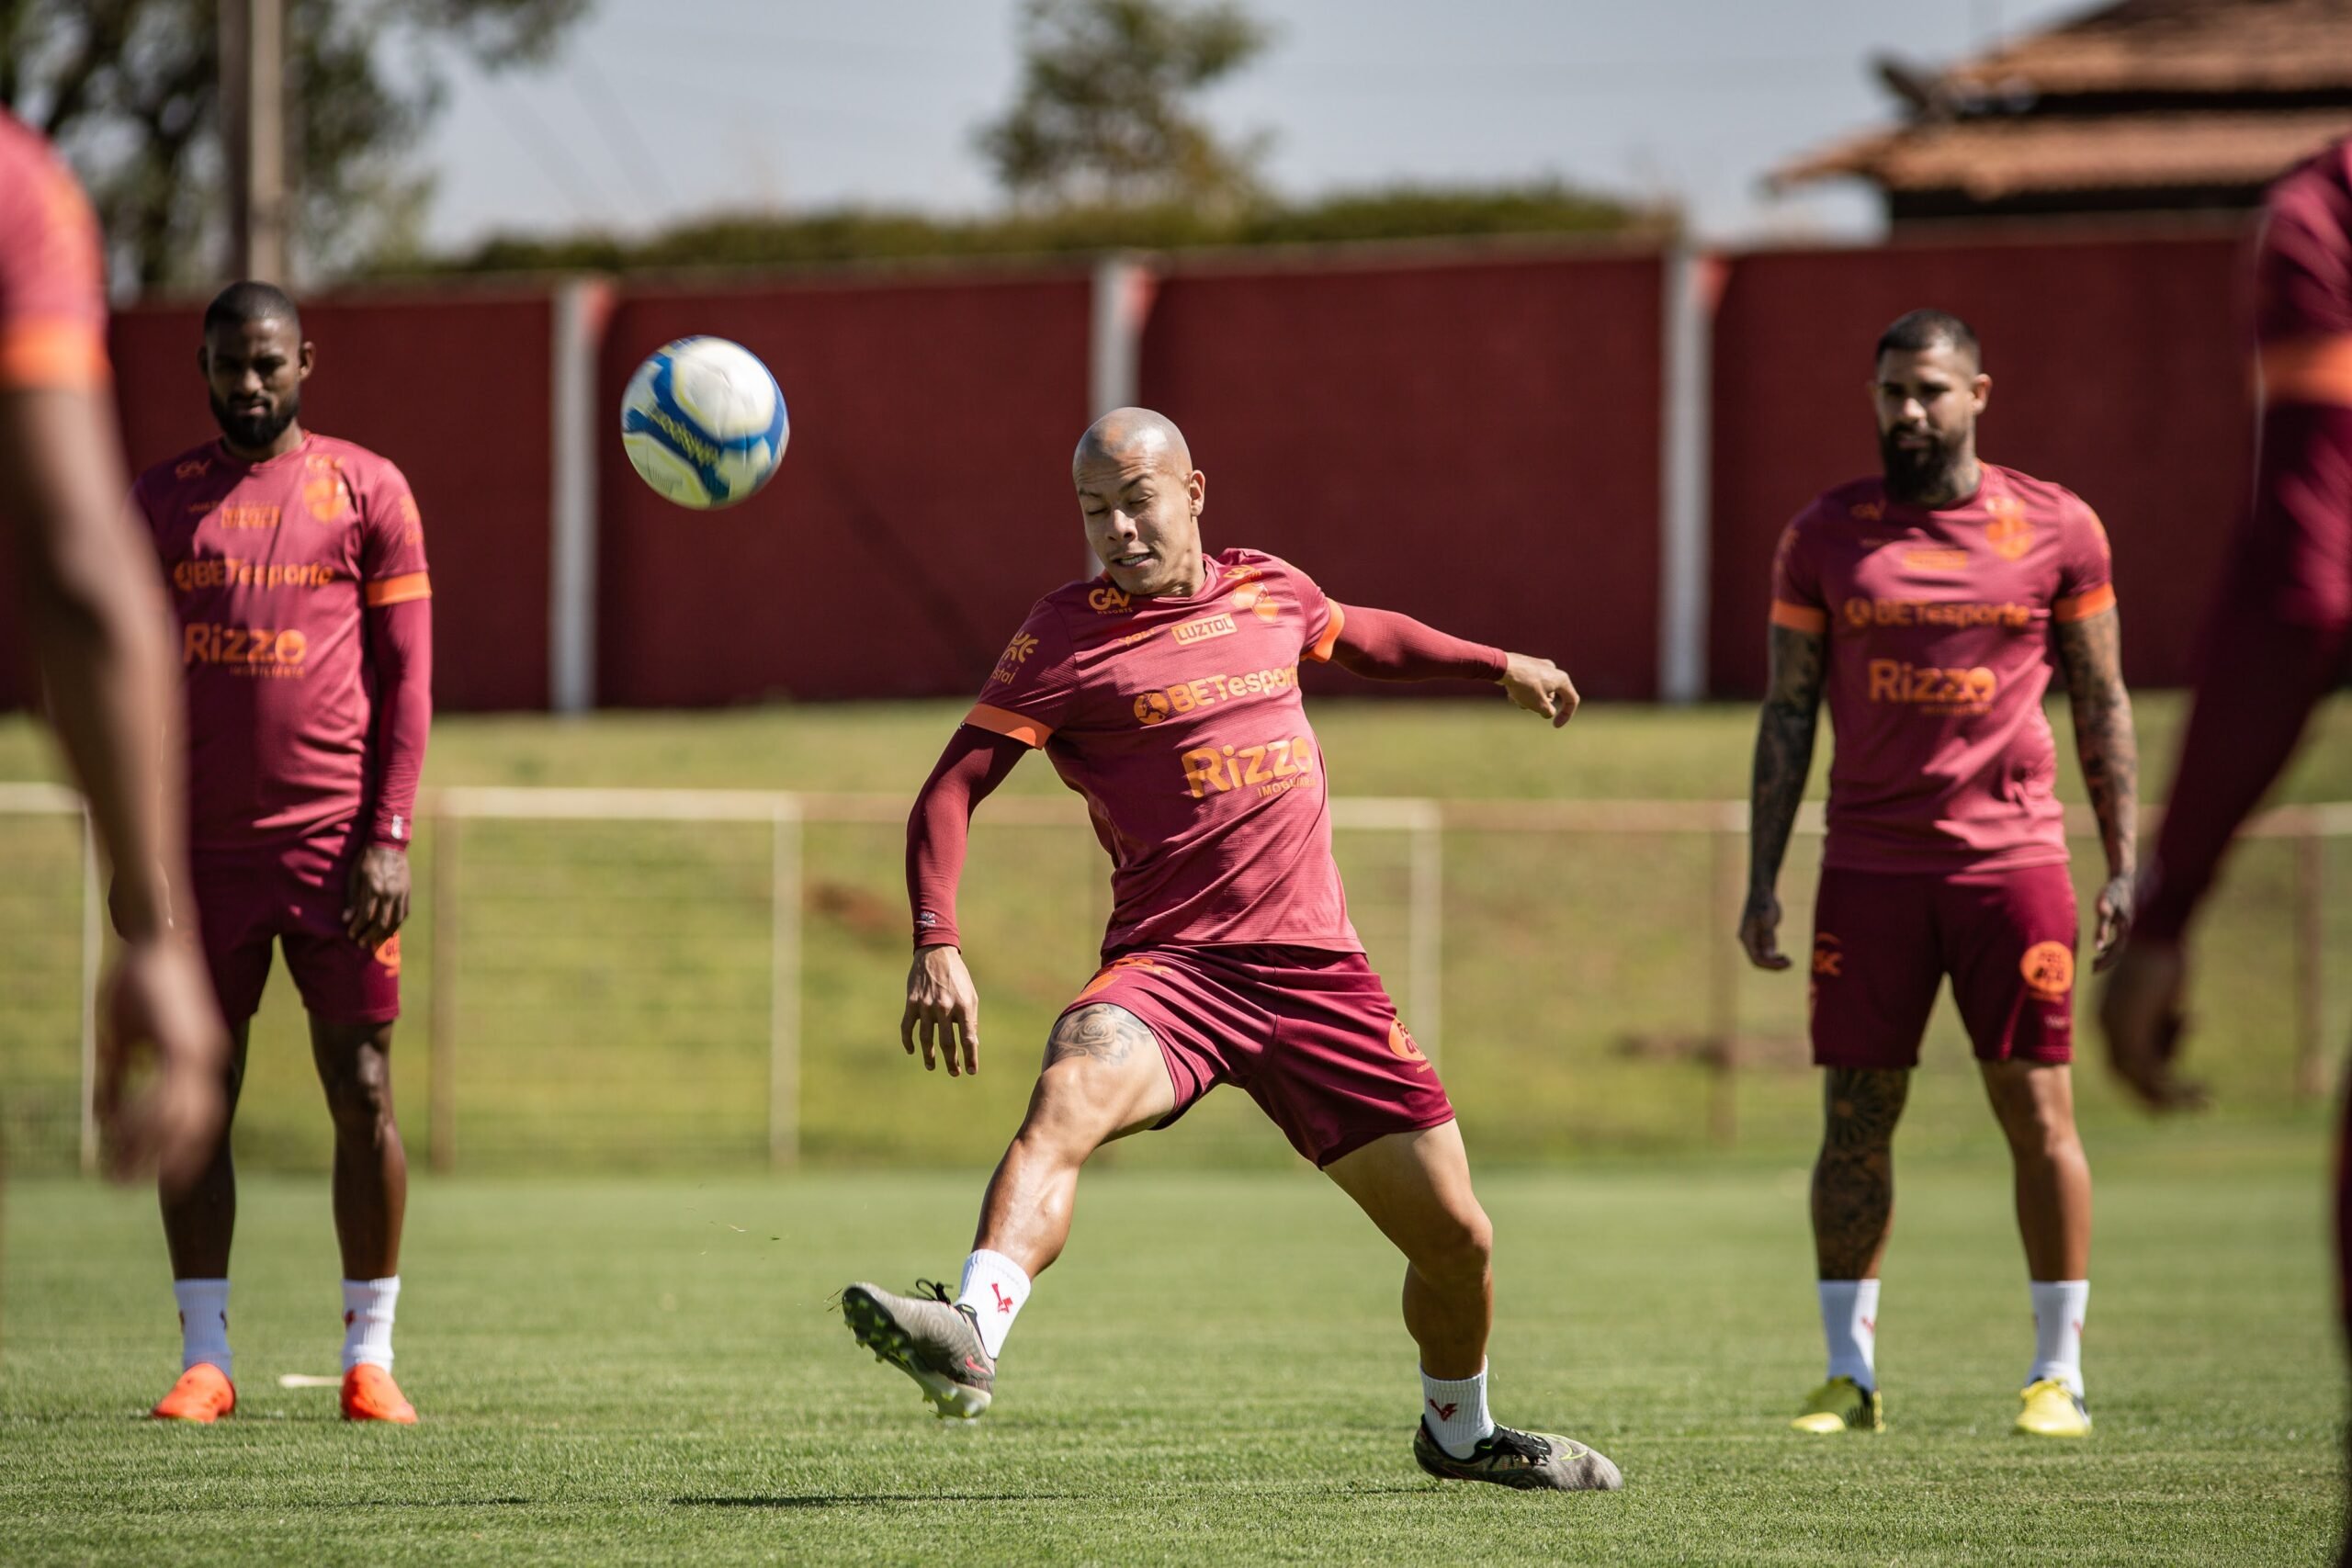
(704, 422)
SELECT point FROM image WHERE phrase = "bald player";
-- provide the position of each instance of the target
(2280, 637)
(1931, 604)
(90, 595)
(297, 569)
(1165, 692)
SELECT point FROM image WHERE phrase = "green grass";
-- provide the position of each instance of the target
(611, 993)
(646, 1369)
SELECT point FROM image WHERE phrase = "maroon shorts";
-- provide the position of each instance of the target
(1310, 1034)
(296, 895)
(1883, 942)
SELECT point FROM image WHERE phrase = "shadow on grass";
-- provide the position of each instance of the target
(933, 1499)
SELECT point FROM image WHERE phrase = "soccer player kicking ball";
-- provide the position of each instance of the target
(1166, 692)
(2282, 636)
(296, 564)
(1931, 606)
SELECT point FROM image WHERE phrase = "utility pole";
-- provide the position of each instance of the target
(252, 135)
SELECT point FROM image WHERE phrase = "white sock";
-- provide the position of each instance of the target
(368, 1321)
(1849, 1327)
(204, 1322)
(1455, 1410)
(994, 1288)
(2059, 1307)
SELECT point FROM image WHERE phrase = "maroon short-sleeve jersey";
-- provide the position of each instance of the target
(1179, 721)
(1938, 651)
(272, 567)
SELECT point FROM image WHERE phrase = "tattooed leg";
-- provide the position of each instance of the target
(1853, 1181)
(1103, 1078)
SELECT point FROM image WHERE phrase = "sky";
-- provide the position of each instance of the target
(661, 109)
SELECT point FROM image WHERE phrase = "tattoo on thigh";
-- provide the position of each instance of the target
(1853, 1182)
(1108, 1034)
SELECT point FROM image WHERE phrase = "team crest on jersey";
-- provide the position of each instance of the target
(2008, 534)
(1109, 601)
(1253, 596)
(327, 493)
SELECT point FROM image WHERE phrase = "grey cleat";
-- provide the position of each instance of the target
(931, 1339)
(1530, 1462)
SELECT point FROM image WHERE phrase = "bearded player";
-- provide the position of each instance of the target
(2281, 634)
(1166, 692)
(296, 564)
(95, 611)
(1931, 606)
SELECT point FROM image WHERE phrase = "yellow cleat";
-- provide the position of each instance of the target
(2051, 1410)
(1842, 1405)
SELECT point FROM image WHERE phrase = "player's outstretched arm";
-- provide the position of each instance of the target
(1784, 735)
(1382, 645)
(97, 612)
(2090, 651)
(943, 1005)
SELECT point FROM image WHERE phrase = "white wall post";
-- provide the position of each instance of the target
(784, 986)
(579, 306)
(93, 962)
(1123, 289)
(1691, 281)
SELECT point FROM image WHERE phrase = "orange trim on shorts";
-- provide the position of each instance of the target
(398, 590)
(2083, 606)
(64, 353)
(2308, 370)
(1800, 617)
(1004, 721)
(1323, 646)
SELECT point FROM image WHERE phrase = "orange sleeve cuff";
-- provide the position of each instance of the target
(1321, 650)
(2308, 370)
(1004, 721)
(62, 354)
(2083, 606)
(1800, 617)
(398, 590)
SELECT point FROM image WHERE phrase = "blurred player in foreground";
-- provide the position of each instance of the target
(296, 563)
(2281, 634)
(88, 590)
(1166, 692)
(1931, 606)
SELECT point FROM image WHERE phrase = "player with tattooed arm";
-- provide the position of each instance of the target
(1931, 607)
(1166, 692)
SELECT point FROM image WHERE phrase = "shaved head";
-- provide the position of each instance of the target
(1141, 500)
(1134, 434)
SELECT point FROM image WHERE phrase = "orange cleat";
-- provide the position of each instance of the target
(371, 1394)
(203, 1394)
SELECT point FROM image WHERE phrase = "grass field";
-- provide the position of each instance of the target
(648, 1371)
(612, 1001)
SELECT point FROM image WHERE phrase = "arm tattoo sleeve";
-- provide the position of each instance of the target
(1853, 1182)
(1783, 749)
(2091, 652)
(1103, 1032)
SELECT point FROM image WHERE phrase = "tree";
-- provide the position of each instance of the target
(128, 90)
(1107, 111)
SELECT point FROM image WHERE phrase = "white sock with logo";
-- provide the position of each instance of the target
(2059, 1307)
(1455, 1410)
(994, 1288)
(368, 1321)
(1849, 1327)
(204, 1322)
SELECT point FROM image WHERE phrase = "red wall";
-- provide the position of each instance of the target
(1474, 443)
(923, 503)
(2120, 369)
(455, 389)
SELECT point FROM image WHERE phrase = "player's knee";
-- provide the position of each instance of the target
(1070, 1112)
(359, 1093)
(1459, 1249)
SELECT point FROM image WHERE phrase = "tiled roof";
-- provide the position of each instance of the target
(2140, 46)
(1993, 157)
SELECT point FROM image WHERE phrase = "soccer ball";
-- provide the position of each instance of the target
(703, 422)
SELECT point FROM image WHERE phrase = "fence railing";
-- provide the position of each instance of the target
(451, 886)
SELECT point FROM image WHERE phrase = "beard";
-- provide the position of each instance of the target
(256, 429)
(1923, 472)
